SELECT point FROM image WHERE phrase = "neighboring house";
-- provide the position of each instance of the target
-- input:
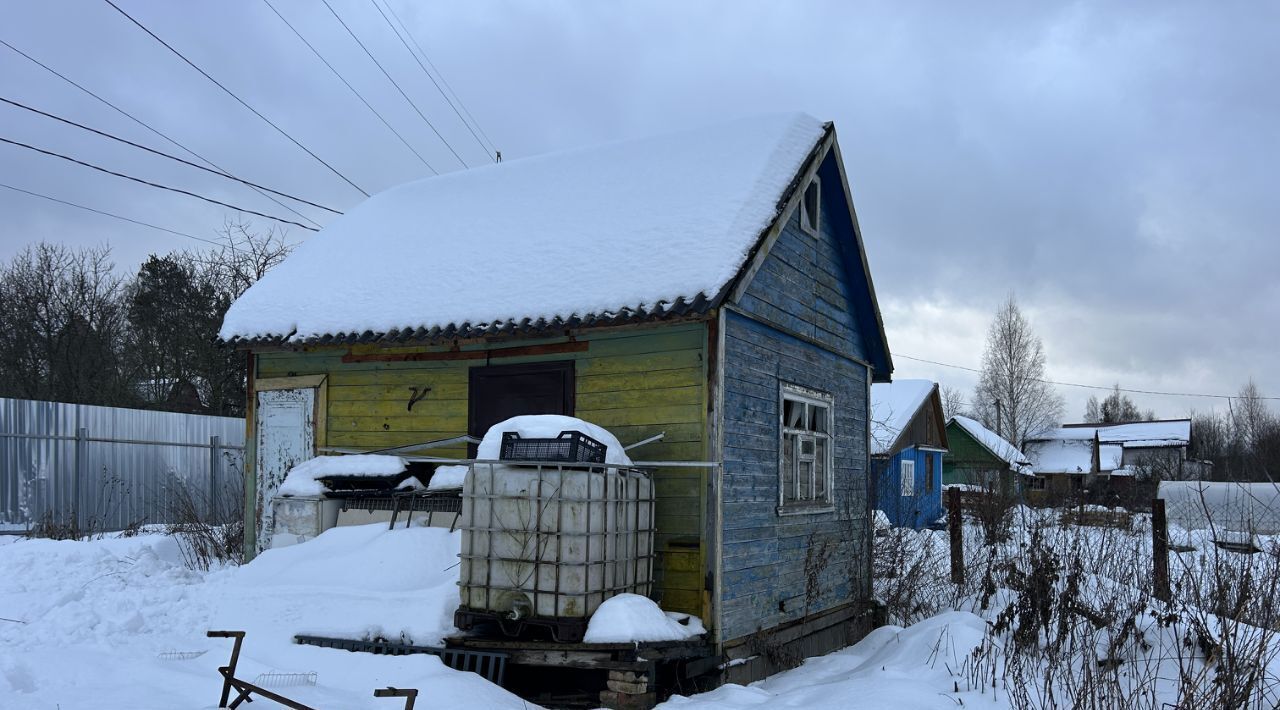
(980, 457)
(710, 286)
(908, 440)
(1106, 459)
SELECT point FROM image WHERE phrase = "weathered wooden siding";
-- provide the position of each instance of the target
(802, 286)
(924, 506)
(635, 382)
(966, 460)
(766, 554)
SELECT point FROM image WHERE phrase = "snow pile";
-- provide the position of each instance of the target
(588, 231)
(549, 426)
(411, 484)
(998, 447)
(448, 478)
(628, 618)
(893, 667)
(893, 405)
(302, 479)
(91, 621)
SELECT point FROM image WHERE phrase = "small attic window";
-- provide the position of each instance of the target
(810, 205)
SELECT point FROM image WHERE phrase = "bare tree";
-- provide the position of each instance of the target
(953, 402)
(1115, 408)
(1012, 397)
(61, 322)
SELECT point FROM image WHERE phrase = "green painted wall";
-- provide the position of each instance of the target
(634, 382)
(965, 456)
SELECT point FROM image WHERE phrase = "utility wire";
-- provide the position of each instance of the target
(393, 83)
(1091, 387)
(154, 184)
(109, 214)
(349, 86)
(421, 66)
(492, 147)
(242, 102)
(162, 154)
(147, 126)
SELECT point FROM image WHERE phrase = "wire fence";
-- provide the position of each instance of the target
(108, 468)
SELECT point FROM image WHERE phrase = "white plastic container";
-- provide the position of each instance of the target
(300, 518)
(552, 542)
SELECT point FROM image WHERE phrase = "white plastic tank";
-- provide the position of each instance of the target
(553, 541)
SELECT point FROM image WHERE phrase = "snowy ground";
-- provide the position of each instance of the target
(95, 624)
(88, 623)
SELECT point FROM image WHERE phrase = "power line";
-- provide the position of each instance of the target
(393, 83)
(242, 102)
(147, 126)
(109, 214)
(154, 184)
(349, 86)
(162, 154)
(421, 66)
(1091, 387)
(492, 147)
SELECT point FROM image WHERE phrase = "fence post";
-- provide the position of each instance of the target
(77, 480)
(1159, 551)
(955, 523)
(215, 467)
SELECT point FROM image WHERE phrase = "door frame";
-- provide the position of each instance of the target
(318, 439)
(524, 368)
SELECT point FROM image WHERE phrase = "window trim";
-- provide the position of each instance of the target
(788, 391)
(905, 491)
(815, 183)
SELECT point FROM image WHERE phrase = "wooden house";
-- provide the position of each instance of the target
(980, 457)
(908, 440)
(710, 286)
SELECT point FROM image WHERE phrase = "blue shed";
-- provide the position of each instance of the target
(908, 439)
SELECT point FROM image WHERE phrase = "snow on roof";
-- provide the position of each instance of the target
(1110, 457)
(993, 442)
(585, 232)
(1061, 455)
(893, 404)
(1173, 432)
(302, 479)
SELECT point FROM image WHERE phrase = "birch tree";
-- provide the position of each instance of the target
(1011, 396)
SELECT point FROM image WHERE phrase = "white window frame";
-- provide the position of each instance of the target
(907, 474)
(815, 184)
(813, 504)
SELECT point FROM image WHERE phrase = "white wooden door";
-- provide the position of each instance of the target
(286, 437)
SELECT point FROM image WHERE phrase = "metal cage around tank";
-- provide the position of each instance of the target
(544, 544)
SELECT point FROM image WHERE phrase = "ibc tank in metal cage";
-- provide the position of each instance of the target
(544, 544)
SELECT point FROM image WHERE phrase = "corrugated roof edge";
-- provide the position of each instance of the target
(680, 309)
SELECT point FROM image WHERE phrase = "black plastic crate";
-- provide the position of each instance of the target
(568, 447)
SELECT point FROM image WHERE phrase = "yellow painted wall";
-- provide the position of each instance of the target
(634, 382)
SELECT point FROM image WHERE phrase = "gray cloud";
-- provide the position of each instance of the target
(1112, 164)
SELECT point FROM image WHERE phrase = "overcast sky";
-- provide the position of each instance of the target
(1113, 164)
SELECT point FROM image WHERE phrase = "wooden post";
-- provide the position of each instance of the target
(955, 523)
(1159, 551)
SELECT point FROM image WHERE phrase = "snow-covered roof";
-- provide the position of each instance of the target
(992, 442)
(1060, 455)
(630, 226)
(1168, 433)
(1110, 457)
(893, 405)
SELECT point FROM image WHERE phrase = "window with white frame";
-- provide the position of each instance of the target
(805, 473)
(908, 471)
(811, 205)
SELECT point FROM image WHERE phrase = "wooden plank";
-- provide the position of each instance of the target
(647, 362)
(640, 398)
(439, 391)
(608, 418)
(654, 379)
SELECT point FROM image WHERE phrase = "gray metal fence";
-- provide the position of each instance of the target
(110, 467)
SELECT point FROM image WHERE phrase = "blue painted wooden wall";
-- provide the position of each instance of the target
(799, 325)
(924, 506)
